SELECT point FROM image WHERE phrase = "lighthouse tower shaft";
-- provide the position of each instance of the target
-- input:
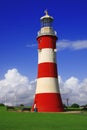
(47, 97)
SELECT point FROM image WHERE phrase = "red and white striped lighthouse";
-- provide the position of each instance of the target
(47, 96)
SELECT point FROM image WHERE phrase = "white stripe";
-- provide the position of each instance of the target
(46, 31)
(47, 85)
(46, 55)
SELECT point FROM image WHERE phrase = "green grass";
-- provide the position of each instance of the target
(42, 121)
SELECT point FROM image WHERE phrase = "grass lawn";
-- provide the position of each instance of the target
(42, 121)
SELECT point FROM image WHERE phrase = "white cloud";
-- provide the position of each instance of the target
(17, 89)
(31, 45)
(74, 45)
(67, 44)
(74, 90)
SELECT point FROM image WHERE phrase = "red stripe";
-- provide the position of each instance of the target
(47, 69)
(47, 42)
(48, 102)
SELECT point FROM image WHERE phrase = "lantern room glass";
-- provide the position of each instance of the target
(46, 23)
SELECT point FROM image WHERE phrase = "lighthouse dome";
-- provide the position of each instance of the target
(46, 25)
(46, 20)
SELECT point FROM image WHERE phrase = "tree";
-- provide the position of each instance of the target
(64, 106)
(1, 104)
(75, 105)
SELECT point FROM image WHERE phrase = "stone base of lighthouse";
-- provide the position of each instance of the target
(48, 102)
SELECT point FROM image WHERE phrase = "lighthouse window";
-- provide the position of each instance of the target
(46, 23)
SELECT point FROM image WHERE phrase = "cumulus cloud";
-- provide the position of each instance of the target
(74, 45)
(74, 90)
(16, 89)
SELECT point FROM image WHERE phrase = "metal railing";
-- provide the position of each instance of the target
(54, 33)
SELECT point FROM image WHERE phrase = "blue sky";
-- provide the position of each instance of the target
(19, 24)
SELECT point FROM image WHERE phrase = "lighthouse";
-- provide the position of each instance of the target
(47, 96)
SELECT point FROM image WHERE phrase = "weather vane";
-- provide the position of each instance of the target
(46, 12)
